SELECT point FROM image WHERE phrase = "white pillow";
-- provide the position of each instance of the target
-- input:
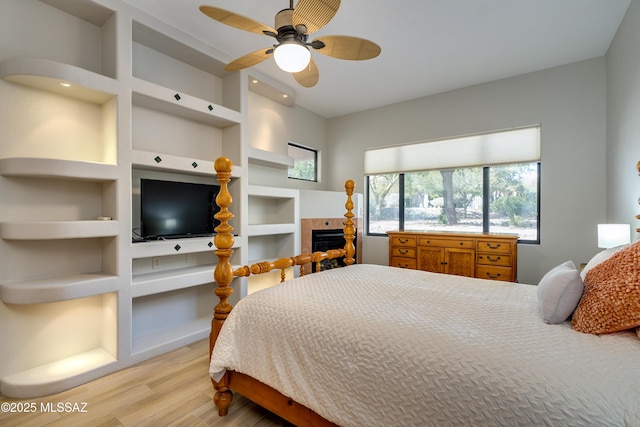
(559, 292)
(600, 257)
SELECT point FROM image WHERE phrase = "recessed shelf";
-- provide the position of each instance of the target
(174, 48)
(159, 98)
(269, 159)
(47, 230)
(57, 168)
(166, 162)
(47, 75)
(58, 289)
(56, 376)
(176, 246)
(88, 11)
(177, 335)
(168, 280)
(271, 229)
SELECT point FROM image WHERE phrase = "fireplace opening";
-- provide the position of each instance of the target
(323, 240)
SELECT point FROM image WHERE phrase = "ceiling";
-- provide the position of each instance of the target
(428, 46)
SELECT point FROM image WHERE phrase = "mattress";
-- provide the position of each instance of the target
(371, 345)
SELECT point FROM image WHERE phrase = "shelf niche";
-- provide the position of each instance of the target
(71, 342)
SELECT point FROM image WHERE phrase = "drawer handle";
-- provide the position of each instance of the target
(490, 246)
(403, 240)
(403, 251)
(493, 276)
(461, 243)
(402, 265)
(497, 259)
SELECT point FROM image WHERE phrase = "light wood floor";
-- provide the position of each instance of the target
(170, 390)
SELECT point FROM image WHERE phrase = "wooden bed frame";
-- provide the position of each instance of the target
(224, 274)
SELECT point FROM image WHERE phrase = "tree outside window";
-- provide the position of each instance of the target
(498, 198)
(305, 162)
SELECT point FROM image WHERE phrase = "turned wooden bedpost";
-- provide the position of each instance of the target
(349, 229)
(223, 274)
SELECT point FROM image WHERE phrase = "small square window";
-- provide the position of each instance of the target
(305, 163)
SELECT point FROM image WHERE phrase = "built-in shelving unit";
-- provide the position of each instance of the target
(184, 115)
(100, 97)
(273, 228)
(119, 96)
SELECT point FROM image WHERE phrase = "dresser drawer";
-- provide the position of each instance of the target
(445, 243)
(403, 241)
(494, 259)
(494, 272)
(403, 252)
(403, 262)
(493, 246)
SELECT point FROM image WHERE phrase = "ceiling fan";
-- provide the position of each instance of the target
(293, 26)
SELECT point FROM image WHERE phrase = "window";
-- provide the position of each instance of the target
(305, 161)
(502, 198)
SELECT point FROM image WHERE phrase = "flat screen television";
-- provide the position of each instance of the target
(171, 209)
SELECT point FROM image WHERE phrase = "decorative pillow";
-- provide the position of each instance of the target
(600, 257)
(559, 292)
(611, 300)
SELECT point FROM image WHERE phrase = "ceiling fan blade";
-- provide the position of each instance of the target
(314, 14)
(249, 59)
(309, 76)
(235, 20)
(347, 47)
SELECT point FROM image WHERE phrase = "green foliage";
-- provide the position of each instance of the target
(304, 169)
(380, 186)
(458, 193)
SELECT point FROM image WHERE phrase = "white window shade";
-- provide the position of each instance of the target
(503, 147)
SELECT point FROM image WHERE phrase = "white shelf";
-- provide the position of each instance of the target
(177, 335)
(273, 192)
(47, 75)
(56, 376)
(58, 288)
(159, 98)
(172, 247)
(269, 159)
(271, 229)
(48, 230)
(169, 280)
(167, 162)
(57, 168)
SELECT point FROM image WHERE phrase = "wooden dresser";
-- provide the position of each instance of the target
(482, 255)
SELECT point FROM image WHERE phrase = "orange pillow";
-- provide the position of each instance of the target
(611, 298)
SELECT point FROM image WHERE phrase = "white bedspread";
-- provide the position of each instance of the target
(372, 345)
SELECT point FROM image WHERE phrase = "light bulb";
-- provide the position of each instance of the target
(292, 56)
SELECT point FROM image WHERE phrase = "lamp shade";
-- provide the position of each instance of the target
(292, 56)
(611, 235)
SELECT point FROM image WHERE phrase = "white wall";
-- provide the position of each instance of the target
(271, 127)
(623, 121)
(569, 102)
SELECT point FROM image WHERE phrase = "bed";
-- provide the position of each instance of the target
(371, 345)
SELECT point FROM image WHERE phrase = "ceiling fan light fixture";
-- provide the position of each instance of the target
(292, 56)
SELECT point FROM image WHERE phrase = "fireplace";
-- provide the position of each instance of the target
(332, 226)
(322, 240)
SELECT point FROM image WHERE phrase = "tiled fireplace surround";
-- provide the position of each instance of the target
(307, 225)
